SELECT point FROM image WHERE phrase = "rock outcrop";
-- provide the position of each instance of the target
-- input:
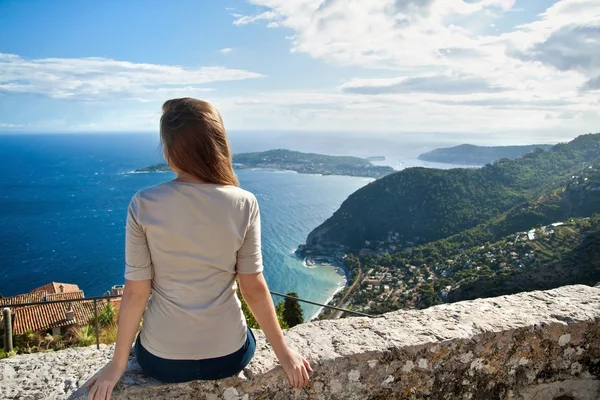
(536, 346)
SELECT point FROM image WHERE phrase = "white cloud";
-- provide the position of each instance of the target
(4, 125)
(417, 65)
(443, 84)
(443, 65)
(415, 112)
(245, 20)
(226, 50)
(102, 78)
(375, 34)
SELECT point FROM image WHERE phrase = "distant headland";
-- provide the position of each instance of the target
(303, 163)
(468, 154)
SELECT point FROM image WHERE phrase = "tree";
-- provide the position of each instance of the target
(427, 295)
(251, 321)
(292, 311)
(279, 308)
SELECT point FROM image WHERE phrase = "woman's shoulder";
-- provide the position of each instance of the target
(170, 187)
(240, 195)
(154, 190)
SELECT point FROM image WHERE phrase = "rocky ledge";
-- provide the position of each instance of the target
(535, 346)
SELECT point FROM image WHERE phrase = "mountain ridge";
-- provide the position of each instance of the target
(469, 154)
(420, 205)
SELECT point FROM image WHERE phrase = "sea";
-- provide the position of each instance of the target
(63, 202)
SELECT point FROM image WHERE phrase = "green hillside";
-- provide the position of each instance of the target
(468, 154)
(570, 256)
(304, 163)
(421, 205)
(548, 242)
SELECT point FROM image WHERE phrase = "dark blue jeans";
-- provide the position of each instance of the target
(177, 371)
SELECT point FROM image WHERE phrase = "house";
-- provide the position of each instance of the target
(117, 290)
(57, 287)
(55, 318)
(39, 296)
(547, 231)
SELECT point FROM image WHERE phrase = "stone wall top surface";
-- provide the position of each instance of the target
(503, 347)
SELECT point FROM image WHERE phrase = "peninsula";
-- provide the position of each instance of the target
(468, 154)
(421, 237)
(304, 163)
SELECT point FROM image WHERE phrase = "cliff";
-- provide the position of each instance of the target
(537, 345)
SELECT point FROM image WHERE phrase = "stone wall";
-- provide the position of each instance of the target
(537, 345)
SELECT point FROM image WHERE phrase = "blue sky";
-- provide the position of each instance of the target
(488, 67)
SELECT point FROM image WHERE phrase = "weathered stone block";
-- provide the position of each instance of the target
(534, 346)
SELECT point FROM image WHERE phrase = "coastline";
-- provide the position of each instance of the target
(341, 286)
(329, 262)
(151, 170)
(320, 310)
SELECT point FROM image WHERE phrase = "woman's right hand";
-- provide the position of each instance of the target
(296, 368)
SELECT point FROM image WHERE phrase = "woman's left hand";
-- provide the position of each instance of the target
(103, 383)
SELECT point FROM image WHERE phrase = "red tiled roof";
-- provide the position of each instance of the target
(57, 287)
(23, 298)
(52, 315)
(35, 297)
(66, 296)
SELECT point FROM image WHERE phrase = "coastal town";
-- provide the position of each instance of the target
(383, 282)
(391, 274)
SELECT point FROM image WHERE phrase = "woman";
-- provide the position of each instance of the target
(187, 241)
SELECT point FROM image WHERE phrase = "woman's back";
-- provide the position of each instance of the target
(186, 242)
(191, 240)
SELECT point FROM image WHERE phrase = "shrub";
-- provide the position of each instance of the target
(4, 354)
(59, 345)
(26, 340)
(84, 336)
(107, 315)
(108, 334)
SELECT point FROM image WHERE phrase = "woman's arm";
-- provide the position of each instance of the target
(256, 293)
(133, 303)
(249, 268)
(139, 272)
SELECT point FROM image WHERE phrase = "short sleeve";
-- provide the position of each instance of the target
(138, 263)
(249, 256)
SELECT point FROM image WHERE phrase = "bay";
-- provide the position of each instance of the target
(63, 201)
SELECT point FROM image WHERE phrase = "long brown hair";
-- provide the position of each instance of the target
(195, 141)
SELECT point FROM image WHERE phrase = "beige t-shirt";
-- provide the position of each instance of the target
(191, 240)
